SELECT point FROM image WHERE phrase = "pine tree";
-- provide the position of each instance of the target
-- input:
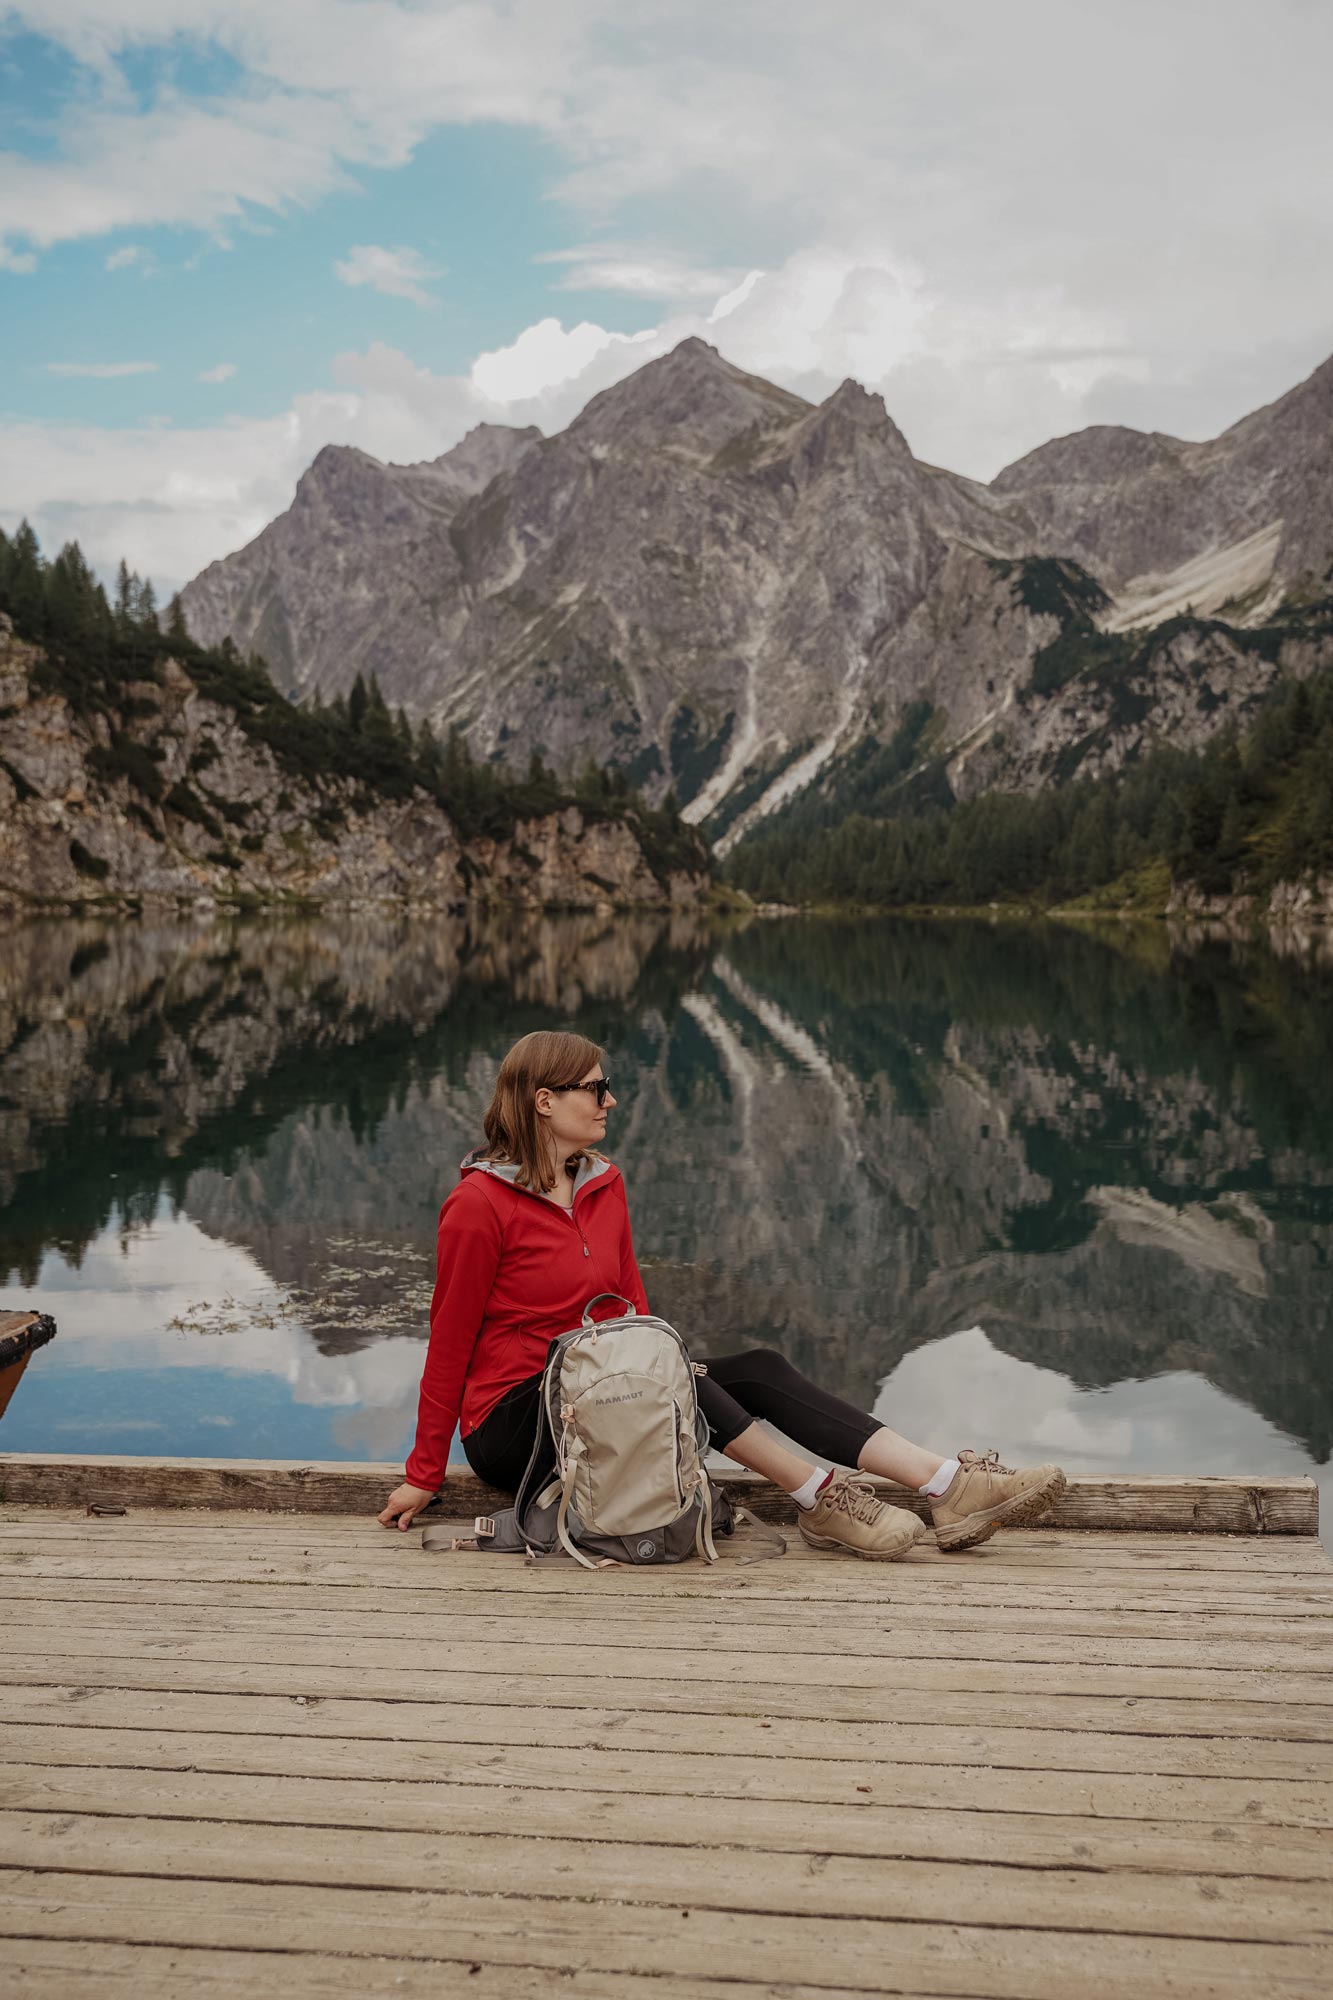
(357, 703)
(71, 599)
(177, 628)
(26, 584)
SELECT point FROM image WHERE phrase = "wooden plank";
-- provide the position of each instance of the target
(165, 1528)
(927, 1605)
(1234, 1505)
(820, 1580)
(872, 1829)
(1140, 1712)
(89, 1969)
(691, 1628)
(343, 1533)
(774, 1882)
(182, 1535)
(889, 1591)
(1068, 1666)
(862, 1627)
(337, 1537)
(677, 1772)
(1005, 1744)
(518, 1930)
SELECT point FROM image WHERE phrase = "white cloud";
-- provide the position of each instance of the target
(729, 301)
(101, 371)
(172, 500)
(991, 163)
(640, 273)
(952, 218)
(21, 261)
(222, 373)
(544, 357)
(131, 257)
(198, 165)
(399, 273)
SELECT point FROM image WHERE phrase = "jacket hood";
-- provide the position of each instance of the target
(589, 1170)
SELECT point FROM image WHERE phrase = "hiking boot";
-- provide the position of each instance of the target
(848, 1516)
(984, 1495)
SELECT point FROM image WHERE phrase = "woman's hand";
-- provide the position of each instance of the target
(406, 1502)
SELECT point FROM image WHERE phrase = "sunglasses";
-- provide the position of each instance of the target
(599, 1086)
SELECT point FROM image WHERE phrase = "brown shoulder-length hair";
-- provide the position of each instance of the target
(513, 1130)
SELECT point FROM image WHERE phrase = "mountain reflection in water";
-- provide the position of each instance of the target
(995, 1177)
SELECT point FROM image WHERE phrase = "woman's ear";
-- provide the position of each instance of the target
(542, 1102)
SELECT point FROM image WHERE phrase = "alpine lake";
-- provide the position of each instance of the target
(1068, 1192)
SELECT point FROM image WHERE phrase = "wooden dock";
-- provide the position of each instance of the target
(251, 1752)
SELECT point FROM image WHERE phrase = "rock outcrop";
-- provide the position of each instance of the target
(181, 804)
(1234, 524)
(723, 589)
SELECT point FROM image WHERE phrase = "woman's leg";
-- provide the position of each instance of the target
(764, 1383)
(833, 1513)
(970, 1497)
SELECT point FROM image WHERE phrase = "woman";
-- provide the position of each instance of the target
(537, 1225)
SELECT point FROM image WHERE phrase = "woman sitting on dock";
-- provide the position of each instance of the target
(536, 1226)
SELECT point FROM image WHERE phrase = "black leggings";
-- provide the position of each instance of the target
(736, 1390)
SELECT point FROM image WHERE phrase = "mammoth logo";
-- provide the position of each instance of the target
(646, 1550)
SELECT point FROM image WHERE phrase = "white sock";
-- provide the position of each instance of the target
(939, 1482)
(806, 1496)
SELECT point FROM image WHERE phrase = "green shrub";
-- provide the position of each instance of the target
(134, 762)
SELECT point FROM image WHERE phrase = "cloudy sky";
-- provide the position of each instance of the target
(379, 221)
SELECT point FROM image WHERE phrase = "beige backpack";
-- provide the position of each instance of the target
(618, 1406)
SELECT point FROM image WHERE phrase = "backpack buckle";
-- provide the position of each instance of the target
(484, 1525)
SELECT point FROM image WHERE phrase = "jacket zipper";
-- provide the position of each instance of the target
(573, 1218)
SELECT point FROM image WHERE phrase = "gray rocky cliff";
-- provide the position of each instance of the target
(182, 805)
(721, 588)
(1235, 522)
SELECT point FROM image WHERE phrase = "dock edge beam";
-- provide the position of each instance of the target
(1136, 1503)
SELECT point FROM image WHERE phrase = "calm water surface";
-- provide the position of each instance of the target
(1069, 1195)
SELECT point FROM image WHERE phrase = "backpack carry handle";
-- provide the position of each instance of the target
(596, 1300)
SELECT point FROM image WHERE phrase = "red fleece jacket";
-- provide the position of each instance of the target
(514, 1270)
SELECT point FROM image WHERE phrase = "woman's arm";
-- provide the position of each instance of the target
(467, 1257)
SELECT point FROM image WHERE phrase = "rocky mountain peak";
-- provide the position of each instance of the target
(331, 461)
(844, 433)
(718, 586)
(1101, 452)
(1307, 408)
(343, 482)
(864, 409)
(487, 450)
(690, 400)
